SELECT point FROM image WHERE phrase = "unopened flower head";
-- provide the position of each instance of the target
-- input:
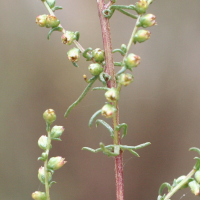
(132, 60)
(49, 116)
(142, 35)
(73, 54)
(95, 69)
(57, 131)
(194, 186)
(68, 37)
(99, 55)
(41, 175)
(42, 142)
(148, 20)
(52, 21)
(142, 6)
(112, 95)
(37, 195)
(125, 79)
(41, 20)
(56, 163)
(108, 111)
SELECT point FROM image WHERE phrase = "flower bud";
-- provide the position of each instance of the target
(42, 142)
(108, 111)
(68, 37)
(98, 55)
(52, 21)
(125, 79)
(197, 176)
(148, 20)
(57, 131)
(56, 163)
(73, 54)
(41, 20)
(141, 6)
(112, 95)
(131, 61)
(95, 69)
(194, 186)
(41, 175)
(49, 116)
(141, 36)
(51, 3)
(37, 195)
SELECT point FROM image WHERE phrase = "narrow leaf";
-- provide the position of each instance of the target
(124, 126)
(100, 121)
(134, 153)
(93, 117)
(100, 88)
(163, 186)
(195, 149)
(54, 29)
(92, 80)
(92, 150)
(57, 8)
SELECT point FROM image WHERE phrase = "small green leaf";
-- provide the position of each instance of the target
(93, 117)
(197, 165)
(99, 121)
(41, 158)
(163, 186)
(103, 77)
(134, 153)
(86, 54)
(51, 183)
(56, 8)
(54, 29)
(92, 150)
(57, 139)
(101, 88)
(77, 35)
(195, 149)
(124, 126)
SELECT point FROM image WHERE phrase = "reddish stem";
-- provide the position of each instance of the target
(109, 68)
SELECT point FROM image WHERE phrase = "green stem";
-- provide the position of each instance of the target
(183, 182)
(46, 162)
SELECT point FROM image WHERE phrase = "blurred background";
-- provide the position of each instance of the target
(161, 106)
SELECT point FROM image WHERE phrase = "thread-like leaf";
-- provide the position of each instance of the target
(197, 165)
(103, 76)
(124, 126)
(92, 150)
(93, 117)
(100, 121)
(195, 149)
(91, 81)
(56, 8)
(86, 54)
(54, 29)
(100, 88)
(163, 186)
(120, 51)
(134, 153)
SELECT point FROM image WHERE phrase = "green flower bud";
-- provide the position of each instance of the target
(108, 111)
(56, 163)
(131, 61)
(52, 21)
(37, 195)
(197, 176)
(49, 116)
(99, 55)
(41, 175)
(51, 3)
(68, 37)
(42, 142)
(41, 20)
(95, 69)
(57, 131)
(73, 54)
(125, 79)
(148, 20)
(141, 36)
(141, 6)
(194, 186)
(112, 95)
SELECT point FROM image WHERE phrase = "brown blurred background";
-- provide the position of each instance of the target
(162, 106)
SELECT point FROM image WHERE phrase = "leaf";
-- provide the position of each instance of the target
(56, 8)
(93, 117)
(100, 121)
(54, 29)
(100, 88)
(195, 149)
(163, 186)
(124, 126)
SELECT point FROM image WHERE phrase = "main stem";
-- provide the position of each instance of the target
(109, 69)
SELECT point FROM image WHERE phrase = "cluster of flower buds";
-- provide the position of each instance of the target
(48, 21)
(53, 163)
